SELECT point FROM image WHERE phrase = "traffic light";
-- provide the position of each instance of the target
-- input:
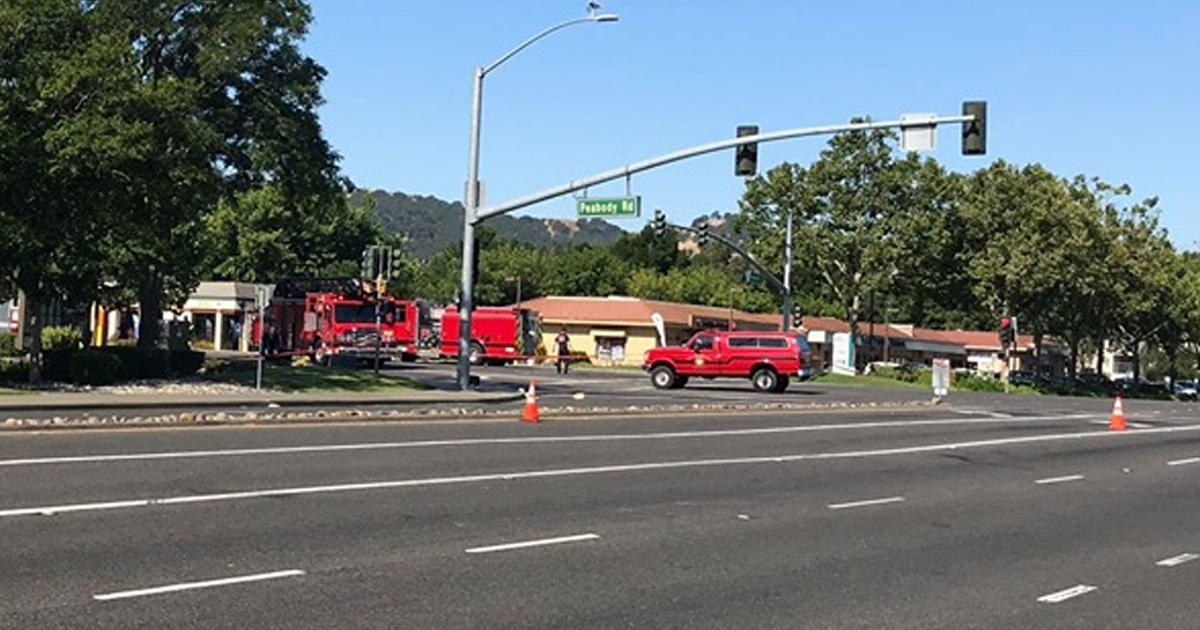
(659, 224)
(1008, 332)
(974, 132)
(368, 263)
(702, 238)
(395, 264)
(745, 163)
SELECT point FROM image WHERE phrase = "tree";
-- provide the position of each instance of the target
(646, 250)
(262, 235)
(228, 104)
(63, 156)
(1019, 224)
(848, 208)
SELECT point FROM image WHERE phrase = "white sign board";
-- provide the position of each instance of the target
(941, 377)
(915, 136)
(843, 354)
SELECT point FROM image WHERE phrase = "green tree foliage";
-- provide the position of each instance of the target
(262, 235)
(848, 207)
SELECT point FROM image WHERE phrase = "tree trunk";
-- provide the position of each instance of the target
(1100, 355)
(33, 306)
(1137, 362)
(150, 311)
(1172, 351)
(1073, 366)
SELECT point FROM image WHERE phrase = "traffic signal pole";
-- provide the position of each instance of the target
(473, 214)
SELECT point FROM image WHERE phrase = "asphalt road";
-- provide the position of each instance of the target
(981, 514)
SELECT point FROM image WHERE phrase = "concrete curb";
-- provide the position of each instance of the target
(342, 416)
(117, 402)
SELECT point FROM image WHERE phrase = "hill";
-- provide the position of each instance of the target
(433, 224)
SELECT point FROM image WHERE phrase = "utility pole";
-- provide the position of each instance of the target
(787, 276)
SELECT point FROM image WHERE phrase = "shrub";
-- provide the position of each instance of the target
(8, 346)
(61, 338)
(14, 371)
(56, 364)
(92, 367)
(184, 362)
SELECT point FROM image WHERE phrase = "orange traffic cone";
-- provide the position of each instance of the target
(529, 413)
(1116, 421)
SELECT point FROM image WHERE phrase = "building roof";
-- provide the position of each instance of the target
(616, 309)
(979, 340)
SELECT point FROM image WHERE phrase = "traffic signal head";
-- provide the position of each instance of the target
(745, 163)
(395, 264)
(1007, 332)
(368, 263)
(974, 132)
(702, 238)
(659, 223)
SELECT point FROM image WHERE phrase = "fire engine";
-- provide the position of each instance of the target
(499, 335)
(328, 318)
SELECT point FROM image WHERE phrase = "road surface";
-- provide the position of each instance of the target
(975, 515)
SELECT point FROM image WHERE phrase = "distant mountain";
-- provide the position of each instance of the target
(432, 224)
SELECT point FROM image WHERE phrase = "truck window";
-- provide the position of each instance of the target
(772, 342)
(354, 313)
(702, 343)
(742, 342)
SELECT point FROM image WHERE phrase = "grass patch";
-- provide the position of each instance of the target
(311, 379)
(829, 378)
(4, 391)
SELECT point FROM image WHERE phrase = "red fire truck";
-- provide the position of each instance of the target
(498, 335)
(337, 317)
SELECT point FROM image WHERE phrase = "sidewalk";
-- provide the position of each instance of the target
(49, 401)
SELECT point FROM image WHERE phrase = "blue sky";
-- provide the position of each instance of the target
(1103, 88)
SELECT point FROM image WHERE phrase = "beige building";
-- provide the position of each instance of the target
(617, 330)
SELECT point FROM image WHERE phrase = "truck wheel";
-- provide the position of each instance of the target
(680, 381)
(476, 353)
(784, 381)
(662, 377)
(765, 379)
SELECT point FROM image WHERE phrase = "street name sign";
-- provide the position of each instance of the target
(611, 207)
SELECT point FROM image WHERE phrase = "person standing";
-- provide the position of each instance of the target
(563, 342)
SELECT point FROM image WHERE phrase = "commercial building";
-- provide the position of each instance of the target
(616, 330)
(977, 350)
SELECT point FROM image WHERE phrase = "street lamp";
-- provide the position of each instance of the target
(471, 207)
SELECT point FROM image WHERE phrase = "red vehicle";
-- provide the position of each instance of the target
(328, 318)
(498, 335)
(768, 359)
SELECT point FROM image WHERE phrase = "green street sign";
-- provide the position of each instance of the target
(615, 207)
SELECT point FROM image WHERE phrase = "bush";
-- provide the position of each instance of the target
(56, 364)
(61, 338)
(14, 371)
(8, 346)
(185, 362)
(92, 367)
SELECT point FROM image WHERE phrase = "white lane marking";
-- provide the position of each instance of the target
(1066, 478)
(590, 470)
(855, 504)
(1065, 594)
(325, 448)
(533, 543)
(185, 586)
(1177, 560)
(1181, 462)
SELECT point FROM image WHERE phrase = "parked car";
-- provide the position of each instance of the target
(768, 359)
(1185, 389)
(1027, 379)
(1095, 381)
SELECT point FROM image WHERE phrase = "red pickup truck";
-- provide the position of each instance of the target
(768, 359)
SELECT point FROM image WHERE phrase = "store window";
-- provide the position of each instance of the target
(610, 349)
